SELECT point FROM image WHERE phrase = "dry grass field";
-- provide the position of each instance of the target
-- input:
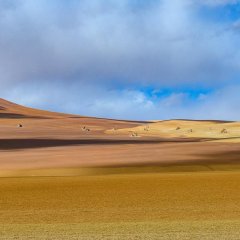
(73, 177)
(123, 206)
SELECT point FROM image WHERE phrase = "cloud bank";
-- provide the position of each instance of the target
(101, 57)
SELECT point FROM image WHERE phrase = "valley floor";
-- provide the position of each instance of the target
(193, 205)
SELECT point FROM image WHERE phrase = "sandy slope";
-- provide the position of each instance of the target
(211, 130)
(37, 121)
(50, 140)
(119, 180)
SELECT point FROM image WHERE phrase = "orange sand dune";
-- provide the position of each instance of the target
(49, 140)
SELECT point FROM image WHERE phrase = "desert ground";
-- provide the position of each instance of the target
(66, 176)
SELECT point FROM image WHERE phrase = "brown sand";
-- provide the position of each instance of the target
(52, 140)
(59, 181)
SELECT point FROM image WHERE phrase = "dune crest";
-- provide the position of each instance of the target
(32, 139)
(207, 130)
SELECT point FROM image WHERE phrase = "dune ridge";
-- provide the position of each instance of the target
(228, 131)
(32, 139)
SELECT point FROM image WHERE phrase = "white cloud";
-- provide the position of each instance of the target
(175, 99)
(86, 56)
(165, 43)
(131, 104)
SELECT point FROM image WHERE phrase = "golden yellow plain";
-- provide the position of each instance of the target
(193, 205)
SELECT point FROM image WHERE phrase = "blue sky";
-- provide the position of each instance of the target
(125, 59)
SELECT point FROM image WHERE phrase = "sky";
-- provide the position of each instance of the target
(125, 59)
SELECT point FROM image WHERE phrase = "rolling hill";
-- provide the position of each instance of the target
(44, 142)
(65, 176)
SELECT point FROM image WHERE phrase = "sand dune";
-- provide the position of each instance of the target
(209, 130)
(49, 140)
(65, 176)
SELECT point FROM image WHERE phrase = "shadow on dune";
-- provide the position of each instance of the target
(11, 144)
(12, 115)
(227, 156)
(214, 157)
(216, 161)
(205, 120)
(18, 116)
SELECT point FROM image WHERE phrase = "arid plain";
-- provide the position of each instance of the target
(74, 177)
